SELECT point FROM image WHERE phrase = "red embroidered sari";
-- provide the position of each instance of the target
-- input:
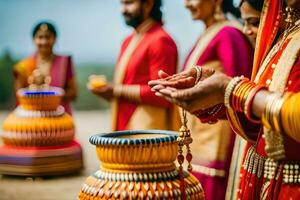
(279, 69)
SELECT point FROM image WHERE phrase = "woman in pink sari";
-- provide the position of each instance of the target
(222, 46)
(58, 67)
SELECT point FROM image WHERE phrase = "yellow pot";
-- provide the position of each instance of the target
(40, 100)
(139, 165)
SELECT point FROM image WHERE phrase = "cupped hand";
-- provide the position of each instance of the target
(182, 80)
(105, 92)
(205, 94)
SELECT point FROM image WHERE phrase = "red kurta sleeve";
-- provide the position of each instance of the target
(162, 55)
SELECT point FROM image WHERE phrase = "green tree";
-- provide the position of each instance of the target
(6, 81)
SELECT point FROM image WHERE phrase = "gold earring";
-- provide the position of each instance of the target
(218, 14)
(289, 18)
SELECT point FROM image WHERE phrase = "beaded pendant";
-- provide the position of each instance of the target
(184, 140)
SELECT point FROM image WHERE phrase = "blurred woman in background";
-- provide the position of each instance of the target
(250, 13)
(59, 68)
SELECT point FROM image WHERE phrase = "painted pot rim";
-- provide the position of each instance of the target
(112, 138)
(53, 91)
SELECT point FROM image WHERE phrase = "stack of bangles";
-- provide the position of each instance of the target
(129, 92)
(271, 117)
(240, 93)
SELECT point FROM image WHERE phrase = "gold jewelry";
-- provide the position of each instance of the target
(292, 15)
(129, 92)
(271, 120)
(293, 24)
(229, 89)
(44, 27)
(218, 14)
(198, 73)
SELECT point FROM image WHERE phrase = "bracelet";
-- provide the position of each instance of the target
(211, 115)
(249, 102)
(246, 89)
(236, 94)
(271, 114)
(129, 92)
(198, 73)
(229, 89)
(274, 145)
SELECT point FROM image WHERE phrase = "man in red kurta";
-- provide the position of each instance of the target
(143, 53)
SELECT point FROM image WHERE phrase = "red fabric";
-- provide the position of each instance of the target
(25, 151)
(270, 20)
(156, 51)
(250, 187)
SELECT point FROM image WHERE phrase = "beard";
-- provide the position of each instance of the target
(133, 20)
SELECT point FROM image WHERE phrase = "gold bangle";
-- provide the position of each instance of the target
(271, 114)
(117, 92)
(129, 92)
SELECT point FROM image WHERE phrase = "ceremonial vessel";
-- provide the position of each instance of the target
(38, 136)
(139, 165)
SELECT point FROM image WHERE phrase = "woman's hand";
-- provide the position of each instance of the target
(205, 94)
(185, 79)
(105, 92)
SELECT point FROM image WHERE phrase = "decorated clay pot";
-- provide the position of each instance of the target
(38, 137)
(39, 120)
(40, 100)
(139, 165)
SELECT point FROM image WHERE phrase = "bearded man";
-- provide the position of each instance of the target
(148, 49)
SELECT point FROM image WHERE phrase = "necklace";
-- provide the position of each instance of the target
(292, 28)
(44, 65)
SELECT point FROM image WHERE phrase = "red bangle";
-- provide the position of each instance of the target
(235, 94)
(245, 88)
(249, 103)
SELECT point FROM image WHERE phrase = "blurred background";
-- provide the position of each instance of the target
(91, 31)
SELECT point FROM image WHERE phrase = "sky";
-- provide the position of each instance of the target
(90, 30)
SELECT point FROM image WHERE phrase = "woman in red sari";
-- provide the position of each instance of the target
(58, 67)
(260, 110)
(223, 46)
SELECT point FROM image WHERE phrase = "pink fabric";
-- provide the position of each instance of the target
(234, 51)
(61, 72)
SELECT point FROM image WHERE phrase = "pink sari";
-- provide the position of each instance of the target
(225, 48)
(62, 72)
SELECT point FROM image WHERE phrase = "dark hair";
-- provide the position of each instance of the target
(156, 12)
(256, 4)
(50, 27)
(227, 6)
